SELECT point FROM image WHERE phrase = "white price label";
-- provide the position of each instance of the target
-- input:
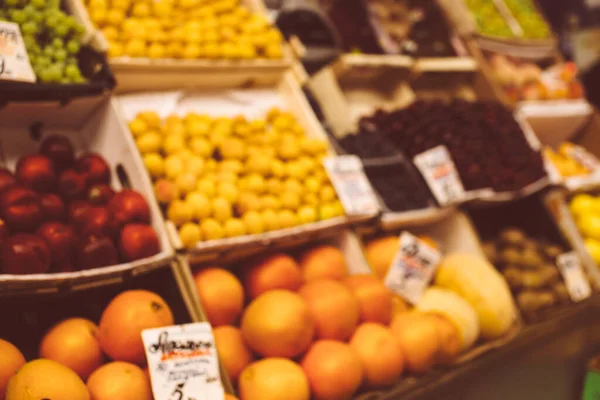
(440, 173)
(413, 268)
(577, 284)
(14, 62)
(351, 184)
(183, 362)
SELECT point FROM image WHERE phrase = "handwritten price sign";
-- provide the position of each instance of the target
(577, 284)
(183, 362)
(413, 268)
(14, 63)
(352, 186)
(440, 173)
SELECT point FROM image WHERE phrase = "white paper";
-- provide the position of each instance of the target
(14, 62)
(183, 362)
(440, 173)
(413, 268)
(351, 184)
(577, 284)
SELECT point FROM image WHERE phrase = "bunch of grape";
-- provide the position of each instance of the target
(51, 37)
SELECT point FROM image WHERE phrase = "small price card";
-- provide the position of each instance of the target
(14, 62)
(413, 268)
(440, 173)
(351, 184)
(577, 284)
(183, 362)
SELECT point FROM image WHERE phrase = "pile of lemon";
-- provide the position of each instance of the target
(184, 29)
(227, 177)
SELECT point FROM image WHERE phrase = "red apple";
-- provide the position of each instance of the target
(94, 168)
(129, 206)
(36, 172)
(138, 241)
(77, 213)
(25, 254)
(20, 208)
(4, 232)
(98, 220)
(71, 185)
(95, 251)
(100, 195)
(61, 239)
(6, 179)
(60, 150)
(53, 207)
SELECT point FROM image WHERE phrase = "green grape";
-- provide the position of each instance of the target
(73, 46)
(52, 4)
(18, 16)
(60, 55)
(57, 43)
(51, 21)
(61, 30)
(70, 22)
(43, 61)
(11, 3)
(49, 51)
(55, 72)
(38, 3)
(72, 61)
(72, 71)
(29, 28)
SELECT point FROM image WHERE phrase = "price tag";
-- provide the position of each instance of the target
(352, 186)
(14, 62)
(413, 268)
(183, 362)
(440, 173)
(577, 284)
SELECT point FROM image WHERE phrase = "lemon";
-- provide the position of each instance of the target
(212, 229)
(110, 33)
(200, 203)
(186, 183)
(228, 191)
(157, 50)
(254, 222)
(235, 227)
(190, 234)
(141, 10)
(115, 17)
(307, 214)
(137, 127)
(135, 48)
(179, 212)
(174, 166)
(115, 50)
(290, 201)
(222, 210)
(149, 142)
(248, 202)
(173, 144)
(327, 193)
(155, 164)
(287, 219)
(270, 220)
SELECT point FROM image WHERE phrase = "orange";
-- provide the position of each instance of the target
(380, 253)
(375, 299)
(333, 369)
(334, 308)
(419, 338)
(233, 352)
(74, 344)
(46, 379)
(274, 379)
(323, 262)
(11, 359)
(278, 271)
(230, 397)
(221, 295)
(380, 353)
(119, 380)
(278, 324)
(124, 319)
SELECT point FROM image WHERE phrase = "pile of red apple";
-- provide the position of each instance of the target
(59, 213)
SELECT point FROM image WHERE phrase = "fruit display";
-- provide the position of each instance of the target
(485, 142)
(59, 213)
(298, 326)
(79, 359)
(585, 211)
(509, 19)
(51, 37)
(188, 29)
(529, 266)
(572, 161)
(522, 80)
(227, 177)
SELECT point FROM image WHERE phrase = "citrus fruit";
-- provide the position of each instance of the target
(233, 352)
(119, 380)
(274, 379)
(221, 295)
(11, 360)
(278, 271)
(375, 299)
(323, 262)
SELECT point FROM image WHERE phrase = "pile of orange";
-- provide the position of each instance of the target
(301, 328)
(74, 351)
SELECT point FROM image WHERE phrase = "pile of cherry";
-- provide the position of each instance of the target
(59, 213)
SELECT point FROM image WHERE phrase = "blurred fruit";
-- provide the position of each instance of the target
(59, 150)
(20, 208)
(95, 250)
(46, 379)
(374, 298)
(53, 207)
(71, 185)
(100, 194)
(25, 254)
(7, 179)
(418, 337)
(129, 206)
(278, 271)
(166, 192)
(119, 380)
(381, 355)
(333, 369)
(278, 324)
(234, 355)
(138, 241)
(380, 253)
(61, 241)
(274, 379)
(94, 168)
(190, 234)
(11, 360)
(221, 295)
(36, 172)
(123, 320)
(74, 344)
(323, 262)
(334, 308)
